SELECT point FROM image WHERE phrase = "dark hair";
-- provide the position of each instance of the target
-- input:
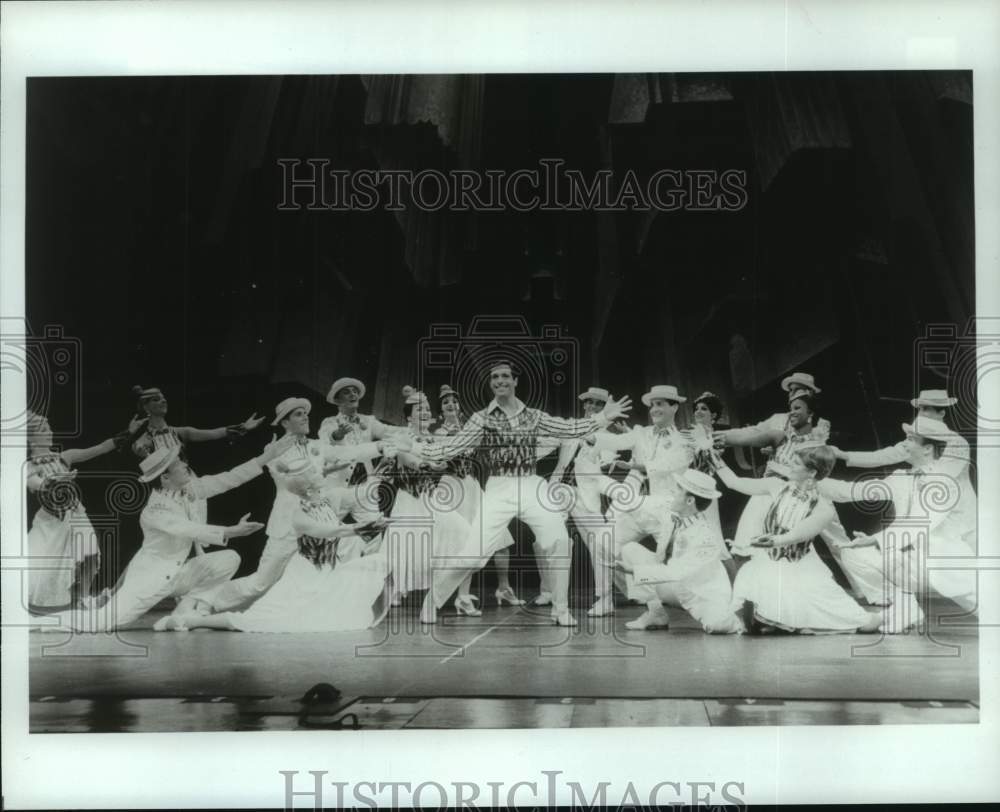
(937, 446)
(713, 403)
(408, 409)
(812, 402)
(701, 503)
(514, 371)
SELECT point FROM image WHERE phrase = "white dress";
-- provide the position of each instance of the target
(791, 588)
(319, 592)
(61, 534)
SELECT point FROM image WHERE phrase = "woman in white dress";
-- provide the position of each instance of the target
(427, 530)
(318, 591)
(460, 488)
(789, 588)
(61, 537)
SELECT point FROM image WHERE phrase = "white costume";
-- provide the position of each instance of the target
(693, 578)
(790, 587)
(319, 591)
(509, 443)
(935, 514)
(363, 431)
(281, 544)
(61, 535)
(172, 521)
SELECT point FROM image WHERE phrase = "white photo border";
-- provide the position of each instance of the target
(777, 765)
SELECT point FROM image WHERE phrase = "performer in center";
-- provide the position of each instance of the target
(507, 431)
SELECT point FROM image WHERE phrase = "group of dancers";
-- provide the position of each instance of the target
(336, 559)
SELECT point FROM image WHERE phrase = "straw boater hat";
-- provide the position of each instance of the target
(938, 398)
(340, 383)
(698, 483)
(663, 391)
(928, 428)
(595, 393)
(287, 406)
(800, 380)
(157, 463)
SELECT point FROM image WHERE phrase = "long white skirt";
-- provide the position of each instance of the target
(58, 545)
(347, 597)
(797, 595)
(421, 536)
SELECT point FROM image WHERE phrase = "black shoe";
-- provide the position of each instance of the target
(747, 613)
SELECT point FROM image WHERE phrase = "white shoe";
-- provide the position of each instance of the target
(170, 623)
(543, 599)
(464, 605)
(564, 619)
(650, 619)
(603, 606)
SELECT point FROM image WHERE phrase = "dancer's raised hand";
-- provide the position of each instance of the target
(614, 409)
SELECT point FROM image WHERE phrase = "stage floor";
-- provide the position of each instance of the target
(509, 668)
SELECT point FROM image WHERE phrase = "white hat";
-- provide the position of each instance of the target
(340, 383)
(287, 406)
(156, 464)
(595, 393)
(938, 398)
(413, 396)
(928, 428)
(698, 483)
(800, 380)
(446, 390)
(664, 392)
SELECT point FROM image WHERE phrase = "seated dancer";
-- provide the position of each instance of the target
(659, 451)
(596, 529)
(507, 431)
(292, 415)
(790, 588)
(930, 493)
(349, 487)
(159, 435)
(460, 479)
(172, 521)
(319, 591)
(61, 537)
(686, 569)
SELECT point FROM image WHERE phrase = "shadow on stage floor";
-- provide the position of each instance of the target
(508, 668)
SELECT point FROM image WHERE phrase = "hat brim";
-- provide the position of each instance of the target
(911, 428)
(342, 383)
(592, 396)
(161, 469)
(301, 403)
(916, 403)
(713, 494)
(792, 381)
(649, 397)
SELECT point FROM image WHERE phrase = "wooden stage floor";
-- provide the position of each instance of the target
(509, 668)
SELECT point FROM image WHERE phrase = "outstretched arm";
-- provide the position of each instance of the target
(893, 455)
(74, 456)
(809, 527)
(751, 436)
(742, 484)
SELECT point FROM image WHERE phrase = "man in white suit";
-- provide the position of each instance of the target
(173, 522)
(592, 483)
(686, 570)
(292, 415)
(935, 516)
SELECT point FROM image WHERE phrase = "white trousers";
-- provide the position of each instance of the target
(277, 553)
(506, 498)
(706, 594)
